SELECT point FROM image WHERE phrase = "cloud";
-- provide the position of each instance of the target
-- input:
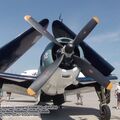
(116, 63)
(110, 36)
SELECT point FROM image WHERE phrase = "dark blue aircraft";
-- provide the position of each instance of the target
(61, 62)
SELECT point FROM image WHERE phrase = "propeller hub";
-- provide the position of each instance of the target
(69, 48)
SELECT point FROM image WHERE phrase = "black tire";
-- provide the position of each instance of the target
(105, 112)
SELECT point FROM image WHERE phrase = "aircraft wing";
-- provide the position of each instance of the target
(19, 83)
(16, 77)
(61, 30)
(23, 78)
(85, 85)
(15, 83)
(87, 80)
(12, 51)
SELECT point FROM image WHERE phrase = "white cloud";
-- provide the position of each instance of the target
(116, 63)
(110, 36)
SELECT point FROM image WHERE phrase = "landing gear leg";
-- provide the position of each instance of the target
(104, 98)
(58, 100)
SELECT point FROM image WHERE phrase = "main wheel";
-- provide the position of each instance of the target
(105, 112)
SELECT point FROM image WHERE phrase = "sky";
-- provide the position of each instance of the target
(105, 38)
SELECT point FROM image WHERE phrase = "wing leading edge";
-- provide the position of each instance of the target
(87, 80)
(16, 77)
(22, 78)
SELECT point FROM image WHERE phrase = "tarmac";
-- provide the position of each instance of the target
(69, 111)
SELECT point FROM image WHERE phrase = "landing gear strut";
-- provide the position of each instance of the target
(104, 98)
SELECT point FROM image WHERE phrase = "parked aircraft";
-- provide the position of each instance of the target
(61, 62)
(32, 72)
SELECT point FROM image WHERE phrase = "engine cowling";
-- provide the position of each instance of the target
(66, 73)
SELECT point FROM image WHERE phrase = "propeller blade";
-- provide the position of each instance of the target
(44, 77)
(86, 30)
(41, 29)
(90, 71)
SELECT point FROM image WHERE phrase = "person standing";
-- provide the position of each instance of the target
(117, 94)
(79, 99)
(8, 95)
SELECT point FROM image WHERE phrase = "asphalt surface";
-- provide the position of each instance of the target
(70, 110)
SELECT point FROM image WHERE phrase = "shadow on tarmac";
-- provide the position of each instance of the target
(66, 112)
(32, 101)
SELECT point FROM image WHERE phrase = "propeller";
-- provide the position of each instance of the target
(82, 34)
(41, 29)
(68, 52)
(85, 31)
(89, 70)
(44, 76)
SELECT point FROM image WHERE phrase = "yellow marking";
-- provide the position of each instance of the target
(109, 87)
(27, 17)
(31, 92)
(96, 19)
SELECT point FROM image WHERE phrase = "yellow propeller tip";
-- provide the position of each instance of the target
(27, 17)
(109, 87)
(96, 19)
(31, 92)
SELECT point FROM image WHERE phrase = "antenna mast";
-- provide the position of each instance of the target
(60, 17)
